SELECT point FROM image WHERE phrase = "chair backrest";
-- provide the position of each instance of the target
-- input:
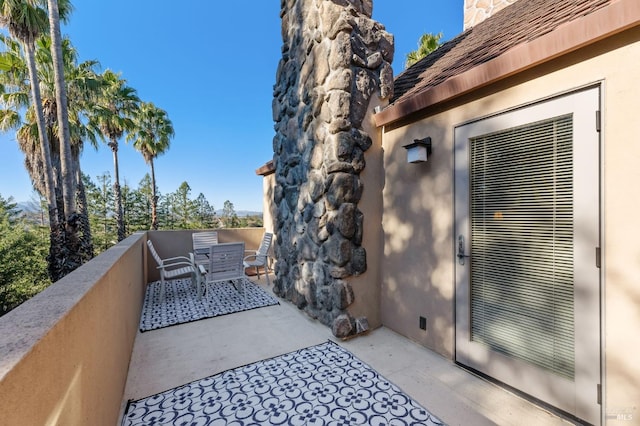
(263, 250)
(225, 262)
(204, 239)
(154, 253)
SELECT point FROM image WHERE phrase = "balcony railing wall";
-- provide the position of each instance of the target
(64, 354)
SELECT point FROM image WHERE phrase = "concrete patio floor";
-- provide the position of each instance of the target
(169, 357)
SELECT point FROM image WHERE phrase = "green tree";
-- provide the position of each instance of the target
(9, 210)
(144, 194)
(133, 205)
(101, 210)
(23, 269)
(151, 136)
(127, 204)
(185, 208)
(251, 222)
(428, 43)
(229, 216)
(205, 213)
(166, 211)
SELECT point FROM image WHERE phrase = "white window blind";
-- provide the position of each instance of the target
(522, 243)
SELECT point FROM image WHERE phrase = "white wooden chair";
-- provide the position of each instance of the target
(201, 243)
(260, 258)
(225, 264)
(174, 267)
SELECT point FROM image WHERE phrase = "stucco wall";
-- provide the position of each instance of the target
(64, 354)
(268, 207)
(418, 263)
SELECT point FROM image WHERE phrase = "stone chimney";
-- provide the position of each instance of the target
(476, 11)
(335, 68)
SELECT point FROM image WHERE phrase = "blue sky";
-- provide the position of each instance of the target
(211, 65)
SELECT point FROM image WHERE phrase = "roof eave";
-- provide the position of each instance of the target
(603, 23)
(266, 169)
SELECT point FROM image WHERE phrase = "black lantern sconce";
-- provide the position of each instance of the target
(419, 150)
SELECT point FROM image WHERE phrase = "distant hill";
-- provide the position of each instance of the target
(32, 212)
(27, 206)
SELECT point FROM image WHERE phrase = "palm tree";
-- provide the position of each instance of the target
(83, 88)
(15, 99)
(25, 22)
(14, 84)
(151, 136)
(111, 117)
(66, 155)
(82, 84)
(428, 43)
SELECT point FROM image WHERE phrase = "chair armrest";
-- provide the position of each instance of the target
(175, 259)
(171, 265)
(200, 272)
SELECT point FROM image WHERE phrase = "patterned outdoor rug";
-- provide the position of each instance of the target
(320, 385)
(181, 304)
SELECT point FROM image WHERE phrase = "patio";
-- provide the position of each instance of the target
(169, 357)
(74, 353)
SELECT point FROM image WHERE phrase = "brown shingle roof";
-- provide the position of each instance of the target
(519, 23)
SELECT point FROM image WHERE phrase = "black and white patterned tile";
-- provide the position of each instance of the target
(181, 305)
(320, 385)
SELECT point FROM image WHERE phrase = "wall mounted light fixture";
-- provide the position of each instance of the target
(419, 150)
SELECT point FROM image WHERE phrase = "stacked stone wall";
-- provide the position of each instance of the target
(335, 58)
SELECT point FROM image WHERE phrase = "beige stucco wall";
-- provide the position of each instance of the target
(64, 354)
(417, 268)
(268, 206)
(418, 262)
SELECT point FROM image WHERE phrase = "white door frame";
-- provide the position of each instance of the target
(577, 397)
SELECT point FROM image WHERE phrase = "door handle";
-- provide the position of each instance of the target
(461, 256)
